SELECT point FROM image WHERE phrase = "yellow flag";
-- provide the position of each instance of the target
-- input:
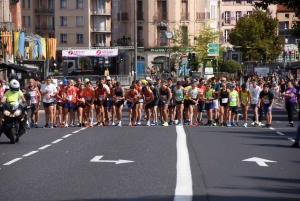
(16, 42)
(43, 41)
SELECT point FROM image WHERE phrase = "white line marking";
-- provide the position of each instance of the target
(44, 147)
(291, 139)
(278, 122)
(56, 141)
(12, 161)
(184, 184)
(272, 128)
(67, 136)
(279, 133)
(75, 132)
(30, 153)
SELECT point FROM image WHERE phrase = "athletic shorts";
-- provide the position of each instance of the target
(224, 104)
(60, 104)
(161, 104)
(90, 102)
(141, 100)
(215, 104)
(119, 103)
(209, 106)
(107, 104)
(266, 108)
(46, 105)
(253, 106)
(192, 102)
(129, 104)
(200, 106)
(34, 107)
(178, 102)
(80, 106)
(75, 108)
(69, 105)
(149, 105)
(233, 109)
(155, 102)
(97, 102)
(186, 103)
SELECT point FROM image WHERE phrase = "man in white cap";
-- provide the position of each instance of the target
(148, 79)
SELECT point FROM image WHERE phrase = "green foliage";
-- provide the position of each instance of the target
(231, 66)
(296, 29)
(257, 34)
(292, 4)
(85, 60)
(181, 37)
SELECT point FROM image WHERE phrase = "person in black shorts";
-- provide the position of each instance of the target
(223, 98)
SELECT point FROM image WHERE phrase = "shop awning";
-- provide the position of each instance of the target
(18, 68)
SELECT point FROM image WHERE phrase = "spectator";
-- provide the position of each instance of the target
(106, 72)
(290, 101)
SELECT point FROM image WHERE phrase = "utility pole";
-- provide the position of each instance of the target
(135, 41)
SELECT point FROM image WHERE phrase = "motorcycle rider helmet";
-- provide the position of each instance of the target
(14, 85)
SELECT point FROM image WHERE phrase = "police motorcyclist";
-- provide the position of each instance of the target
(13, 96)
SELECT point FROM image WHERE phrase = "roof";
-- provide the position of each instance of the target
(6, 66)
(282, 8)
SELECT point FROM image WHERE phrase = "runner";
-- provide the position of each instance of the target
(148, 101)
(139, 103)
(254, 96)
(216, 87)
(202, 90)
(165, 96)
(100, 96)
(266, 97)
(233, 104)
(154, 105)
(178, 94)
(223, 97)
(172, 103)
(118, 97)
(35, 97)
(89, 96)
(193, 94)
(209, 97)
(60, 103)
(131, 98)
(186, 85)
(69, 104)
(290, 102)
(245, 100)
(80, 105)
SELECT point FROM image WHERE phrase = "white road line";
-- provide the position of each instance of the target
(56, 141)
(44, 147)
(67, 136)
(184, 184)
(30, 153)
(291, 139)
(279, 133)
(272, 128)
(75, 132)
(12, 161)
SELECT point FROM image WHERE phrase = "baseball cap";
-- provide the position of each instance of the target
(60, 83)
(108, 78)
(148, 79)
(144, 81)
(65, 81)
(86, 80)
(158, 77)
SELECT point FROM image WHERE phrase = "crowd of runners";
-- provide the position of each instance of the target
(157, 102)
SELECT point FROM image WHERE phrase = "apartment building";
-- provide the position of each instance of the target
(75, 23)
(154, 18)
(232, 11)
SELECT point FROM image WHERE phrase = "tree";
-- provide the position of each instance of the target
(292, 4)
(231, 66)
(256, 34)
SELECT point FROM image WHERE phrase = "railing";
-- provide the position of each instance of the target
(161, 16)
(100, 12)
(100, 29)
(44, 28)
(140, 43)
(185, 16)
(123, 16)
(44, 11)
(140, 16)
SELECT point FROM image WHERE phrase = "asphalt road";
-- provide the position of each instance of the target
(55, 164)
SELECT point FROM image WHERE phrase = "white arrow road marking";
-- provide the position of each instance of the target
(184, 184)
(259, 161)
(279, 133)
(30, 153)
(12, 161)
(97, 159)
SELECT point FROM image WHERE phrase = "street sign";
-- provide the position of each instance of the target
(213, 49)
(98, 159)
(259, 161)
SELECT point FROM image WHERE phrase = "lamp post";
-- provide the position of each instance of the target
(169, 35)
(135, 39)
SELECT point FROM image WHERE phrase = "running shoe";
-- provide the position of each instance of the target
(253, 123)
(79, 125)
(50, 125)
(31, 125)
(233, 124)
(119, 124)
(46, 126)
(72, 125)
(259, 123)
(152, 123)
(215, 124)
(190, 123)
(156, 123)
(148, 123)
(138, 122)
(91, 124)
(170, 122)
(106, 123)
(237, 123)
(133, 124)
(113, 124)
(245, 125)
(165, 124)
(66, 125)
(228, 124)
(179, 123)
(109, 123)
(54, 125)
(36, 125)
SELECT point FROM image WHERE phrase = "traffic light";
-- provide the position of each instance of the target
(193, 57)
(122, 56)
(189, 57)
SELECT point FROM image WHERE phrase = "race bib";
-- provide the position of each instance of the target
(32, 93)
(254, 101)
(101, 96)
(224, 100)
(147, 98)
(118, 97)
(266, 101)
(244, 99)
(70, 97)
(208, 101)
(82, 99)
(89, 98)
(233, 98)
(178, 99)
(164, 97)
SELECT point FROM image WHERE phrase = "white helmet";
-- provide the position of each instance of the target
(14, 85)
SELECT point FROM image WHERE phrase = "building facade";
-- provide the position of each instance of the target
(154, 18)
(75, 23)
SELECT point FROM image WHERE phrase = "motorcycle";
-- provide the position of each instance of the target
(11, 116)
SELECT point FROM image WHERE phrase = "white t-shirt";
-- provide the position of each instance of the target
(51, 90)
(254, 94)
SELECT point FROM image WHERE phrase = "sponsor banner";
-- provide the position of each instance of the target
(262, 71)
(92, 52)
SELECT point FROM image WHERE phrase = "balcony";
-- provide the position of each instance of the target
(161, 16)
(44, 11)
(200, 16)
(101, 29)
(123, 16)
(140, 16)
(44, 28)
(162, 42)
(227, 21)
(185, 16)
(100, 12)
(99, 45)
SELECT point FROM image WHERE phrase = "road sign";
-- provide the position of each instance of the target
(259, 161)
(98, 159)
(213, 49)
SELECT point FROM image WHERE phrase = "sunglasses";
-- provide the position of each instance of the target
(222, 80)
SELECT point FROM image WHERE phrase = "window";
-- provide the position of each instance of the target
(249, 13)
(79, 38)
(226, 34)
(286, 25)
(99, 6)
(23, 21)
(227, 17)
(63, 21)
(63, 38)
(238, 15)
(287, 16)
(249, 1)
(100, 23)
(51, 35)
(29, 21)
(100, 39)
(23, 3)
(63, 3)
(51, 4)
(79, 4)
(28, 6)
(79, 21)
(162, 40)
(238, 1)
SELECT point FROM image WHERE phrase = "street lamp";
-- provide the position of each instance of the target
(169, 35)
